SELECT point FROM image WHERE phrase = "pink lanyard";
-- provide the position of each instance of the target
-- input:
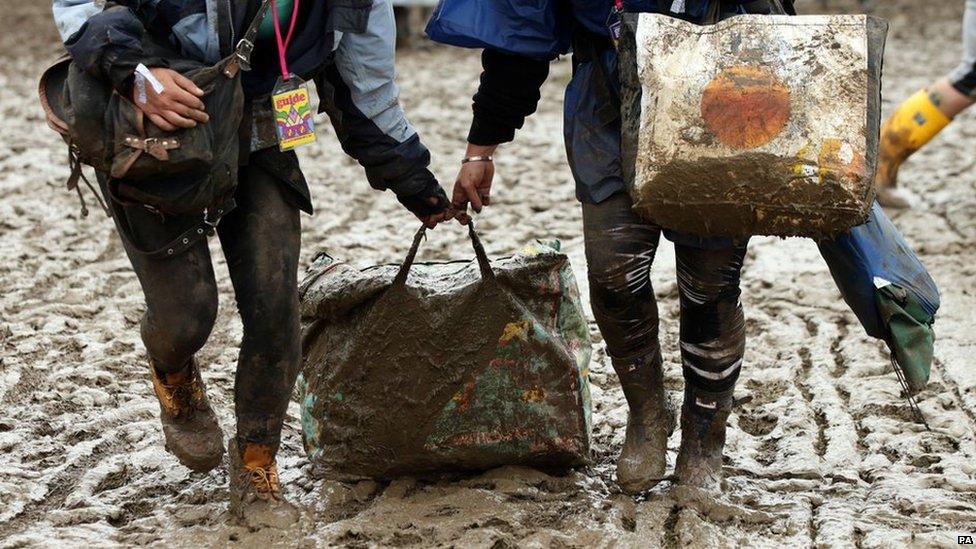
(283, 43)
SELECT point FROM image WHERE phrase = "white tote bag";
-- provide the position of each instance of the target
(759, 124)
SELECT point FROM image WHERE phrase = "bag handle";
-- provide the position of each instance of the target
(714, 13)
(778, 8)
(484, 264)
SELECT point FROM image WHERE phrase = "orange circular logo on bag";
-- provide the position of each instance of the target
(745, 106)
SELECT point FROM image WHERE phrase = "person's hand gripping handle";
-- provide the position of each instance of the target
(473, 184)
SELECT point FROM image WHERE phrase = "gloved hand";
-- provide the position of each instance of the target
(430, 205)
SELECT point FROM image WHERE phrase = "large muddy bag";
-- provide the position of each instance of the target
(758, 124)
(458, 366)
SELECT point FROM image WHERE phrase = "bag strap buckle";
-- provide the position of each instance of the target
(157, 147)
(244, 50)
(242, 54)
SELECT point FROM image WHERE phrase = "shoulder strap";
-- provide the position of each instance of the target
(241, 59)
(205, 227)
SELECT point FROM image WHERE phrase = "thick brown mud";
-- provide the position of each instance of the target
(825, 454)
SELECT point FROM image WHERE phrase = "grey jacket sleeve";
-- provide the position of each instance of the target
(71, 15)
(362, 99)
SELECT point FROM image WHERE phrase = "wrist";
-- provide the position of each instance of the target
(479, 150)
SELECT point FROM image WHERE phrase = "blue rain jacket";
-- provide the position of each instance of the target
(538, 29)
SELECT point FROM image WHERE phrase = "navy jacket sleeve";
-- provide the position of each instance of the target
(104, 41)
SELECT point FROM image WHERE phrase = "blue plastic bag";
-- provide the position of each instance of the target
(538, 29)
(871, 256)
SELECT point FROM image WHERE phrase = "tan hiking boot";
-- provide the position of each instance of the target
(189, 424)
(256, 498)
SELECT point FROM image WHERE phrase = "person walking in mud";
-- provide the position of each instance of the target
(922, 116)
(348, 47)
(620, 246)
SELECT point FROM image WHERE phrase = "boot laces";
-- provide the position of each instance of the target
(183, 396)
(264, 481)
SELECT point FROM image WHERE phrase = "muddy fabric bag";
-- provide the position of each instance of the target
(756, 125)
(458, 366)
(890, 292)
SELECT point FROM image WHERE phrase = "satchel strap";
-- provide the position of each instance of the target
(157, 147)
(78, 175)
(186, 240)
(241, 60)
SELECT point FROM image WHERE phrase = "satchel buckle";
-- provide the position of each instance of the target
(212, 216)
(244, 49)
(159, 148)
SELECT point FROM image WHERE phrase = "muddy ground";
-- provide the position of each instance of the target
(825, 454)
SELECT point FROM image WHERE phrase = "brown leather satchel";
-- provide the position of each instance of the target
(184, 172)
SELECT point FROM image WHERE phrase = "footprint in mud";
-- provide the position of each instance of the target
(716, 509)
(925, 461)
(766, 455)
(756, 423)
(495, 523)
(765, 392)
(404, 539)
(444, 511)
(895, 411)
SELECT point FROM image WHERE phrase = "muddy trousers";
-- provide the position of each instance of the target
(260, 241)
(620, 249)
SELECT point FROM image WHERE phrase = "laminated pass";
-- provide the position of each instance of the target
(755, 125)
(290, 100)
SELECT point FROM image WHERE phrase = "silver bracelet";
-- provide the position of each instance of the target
(485, 158)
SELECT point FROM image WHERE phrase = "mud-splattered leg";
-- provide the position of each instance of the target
(261, 240)
(712, 346)
(181, 306)
(620, 249)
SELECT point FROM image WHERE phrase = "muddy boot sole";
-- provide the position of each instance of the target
(199, 463)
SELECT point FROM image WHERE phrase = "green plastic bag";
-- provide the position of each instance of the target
(911, 338)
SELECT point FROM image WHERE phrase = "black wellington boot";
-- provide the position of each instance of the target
(703, 419)
(643, 458)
